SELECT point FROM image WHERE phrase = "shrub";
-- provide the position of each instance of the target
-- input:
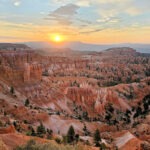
(103, 146)
(58, 140)
(32, 145)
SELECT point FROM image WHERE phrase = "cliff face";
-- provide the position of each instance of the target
(32, 73)
(7, 130)
(123, 96)
(10, 46)
(20, 67)
(122, 51)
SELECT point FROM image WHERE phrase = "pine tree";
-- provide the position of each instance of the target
(77, 138)
(71, 135)
(12, 91)
(41, 130)
(27, 102)
(33, 132)
(97, 137)
(86, 132)
(49, 133)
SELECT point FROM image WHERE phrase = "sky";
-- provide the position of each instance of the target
(89, 21)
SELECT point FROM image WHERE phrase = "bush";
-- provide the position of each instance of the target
(32, 145)
(103, 146)
(1, 124)
(49, 134)
(58, 140)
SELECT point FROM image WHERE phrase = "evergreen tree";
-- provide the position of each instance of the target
(146, 103)
(138, 112)
(97, 137)
(41, 130)
(49, 133)
(27, 102)
(33, 132)
(71, 135)
(85, 115)
(85, 130)
(77, 138)
(12, 91)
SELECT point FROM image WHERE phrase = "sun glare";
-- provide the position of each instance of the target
(57, 38)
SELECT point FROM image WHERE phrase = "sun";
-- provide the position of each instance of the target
(56, 38)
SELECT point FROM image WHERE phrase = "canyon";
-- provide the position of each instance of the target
(108, 91)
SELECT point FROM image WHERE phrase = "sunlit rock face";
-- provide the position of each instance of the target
(7, 130)
(98, 98)
(20, 66)
(32, 72)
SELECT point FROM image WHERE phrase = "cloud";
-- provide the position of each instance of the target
(111, 1)
(91, 31)
(67, 10)
(133, 11)
(16, 3)
(109, 20)
(64, 14)
(11, 37)
(84, 21)
(83, 3)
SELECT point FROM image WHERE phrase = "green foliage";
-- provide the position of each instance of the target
(146, 103)
(5, 113)
(135, 124)
(27, 102)
(12, 91)
(138, 112)
(71, 135)
(41, 130)
(102, 146)
(29, 146)
(85, 130)
(15, 124)
(58, 140)
(25, 122)
(65, 139)
(147, 72)
(49, 133)
(85, 115)
(77, 138)
(109, 111)
(108, 117)
(75, 83)
(111, 83)
(97, 137)
(32, 145)
(1, 124)
(127, 115)
(31, 131)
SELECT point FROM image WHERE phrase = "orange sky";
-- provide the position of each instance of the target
(90, 21)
